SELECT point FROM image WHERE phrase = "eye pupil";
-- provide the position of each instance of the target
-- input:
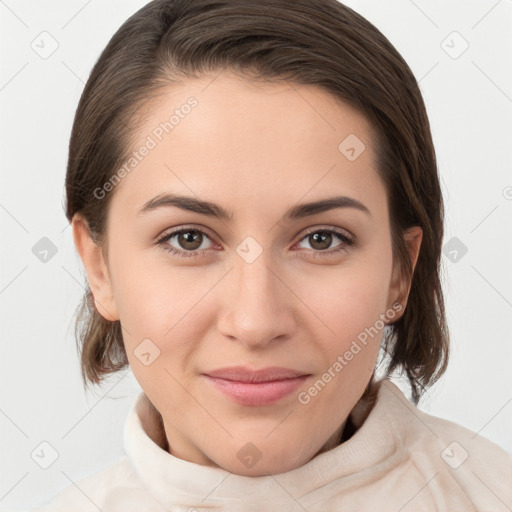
(188, 239)
(321, 237)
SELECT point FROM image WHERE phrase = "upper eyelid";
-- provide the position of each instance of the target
(174, 231)
(328, 228)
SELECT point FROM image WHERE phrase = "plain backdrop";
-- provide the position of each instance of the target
(459, 52)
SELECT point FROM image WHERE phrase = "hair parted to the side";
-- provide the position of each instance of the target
(315, 42)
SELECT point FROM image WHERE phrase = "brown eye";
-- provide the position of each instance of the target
(186, 242)
(189, 240)
(321, 240)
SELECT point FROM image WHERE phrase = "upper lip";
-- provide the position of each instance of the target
(245, 374)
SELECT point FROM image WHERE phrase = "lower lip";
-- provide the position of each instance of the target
(261, 393)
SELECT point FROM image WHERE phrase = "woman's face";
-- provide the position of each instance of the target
(266, 285)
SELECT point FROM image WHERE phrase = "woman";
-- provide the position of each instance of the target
(254, 194)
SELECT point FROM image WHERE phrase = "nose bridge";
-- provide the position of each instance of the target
(258, 308)
(256, 280)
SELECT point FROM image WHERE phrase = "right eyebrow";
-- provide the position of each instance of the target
(188, 203)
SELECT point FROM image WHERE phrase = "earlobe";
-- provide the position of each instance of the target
(97, 272)
(400, 285)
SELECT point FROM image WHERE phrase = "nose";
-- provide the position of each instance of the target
(258, 305)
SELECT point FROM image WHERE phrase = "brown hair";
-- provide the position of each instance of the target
(318, 42)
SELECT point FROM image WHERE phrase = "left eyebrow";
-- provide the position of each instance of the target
(306, 209)
(213, 210)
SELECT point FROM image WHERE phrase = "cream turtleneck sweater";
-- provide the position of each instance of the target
(399, 459)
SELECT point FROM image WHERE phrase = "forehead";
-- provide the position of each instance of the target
(224, 136)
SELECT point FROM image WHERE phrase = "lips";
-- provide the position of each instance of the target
(256, 387)
(245, 374)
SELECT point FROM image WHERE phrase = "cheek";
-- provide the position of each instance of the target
(149, 292)
(350, 298)
(352, 323)
(162, 305)
(350, 302)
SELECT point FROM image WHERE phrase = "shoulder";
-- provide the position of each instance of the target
(115, 488)
(452, 457)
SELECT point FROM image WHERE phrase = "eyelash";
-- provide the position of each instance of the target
(346, 242)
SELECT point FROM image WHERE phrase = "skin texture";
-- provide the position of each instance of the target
(256, 150)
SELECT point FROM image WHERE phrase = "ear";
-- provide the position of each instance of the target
(96, 269)
(400, 286)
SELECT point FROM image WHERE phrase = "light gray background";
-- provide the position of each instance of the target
(469, 101)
